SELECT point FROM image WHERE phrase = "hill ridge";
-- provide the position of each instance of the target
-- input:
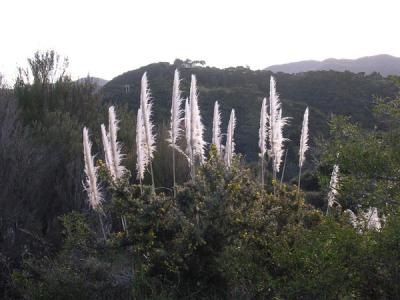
(384, 64)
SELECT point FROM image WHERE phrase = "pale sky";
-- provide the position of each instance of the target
(107, 38)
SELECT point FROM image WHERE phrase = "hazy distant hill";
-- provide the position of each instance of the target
(383, 64)
(100, 82)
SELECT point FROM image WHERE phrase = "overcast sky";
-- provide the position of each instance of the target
(106, 38)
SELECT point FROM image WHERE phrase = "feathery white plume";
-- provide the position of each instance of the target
(230, 143)
(115, 146)
(366, 220)
(146, 107)
(216, 129)
(371, 219)
(263, 131)
(176, 120)
(303, 139)
(352, 217)
(107, 150)
(333, 185)
(176, 112)
(196, 126)
(91, 186)
(276, 124)
(149, 139)
(188, 130)
(141, 149)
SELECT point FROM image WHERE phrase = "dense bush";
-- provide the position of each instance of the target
(222, 237)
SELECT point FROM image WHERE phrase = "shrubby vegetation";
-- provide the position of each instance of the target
(222, 237)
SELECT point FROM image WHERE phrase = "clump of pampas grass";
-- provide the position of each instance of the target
(91, 184)
(230, 142)
(194, 129)
(175, 131)
(146, 105)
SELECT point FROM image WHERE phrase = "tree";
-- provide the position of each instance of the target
(368, 159)
(49, 113)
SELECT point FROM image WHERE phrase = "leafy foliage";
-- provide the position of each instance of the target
(223, 237)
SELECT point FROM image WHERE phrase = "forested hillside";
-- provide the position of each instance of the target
(325, 92)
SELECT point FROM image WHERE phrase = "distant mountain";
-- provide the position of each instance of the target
(100, 82)
(383, 64)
